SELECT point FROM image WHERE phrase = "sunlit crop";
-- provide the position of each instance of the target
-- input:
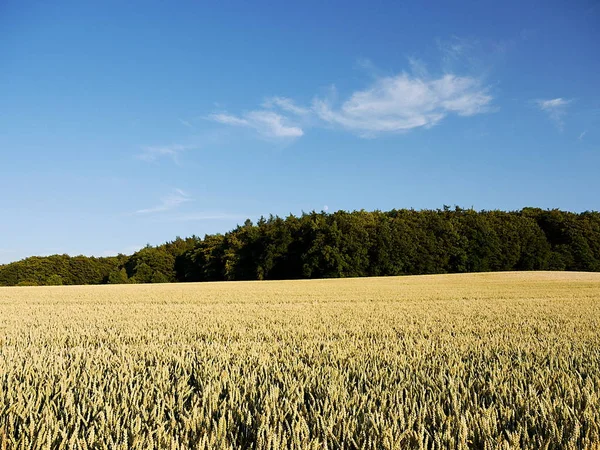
(448, 361)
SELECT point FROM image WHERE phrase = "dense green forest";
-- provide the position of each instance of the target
(343, 244)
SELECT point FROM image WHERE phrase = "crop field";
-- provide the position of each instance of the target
(486, 361)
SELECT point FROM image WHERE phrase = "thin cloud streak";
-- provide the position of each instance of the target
(458, 53)
(168, 202)
(556, 109)
(266, 123)
(186, 123)
(154, 153)
(285, 104)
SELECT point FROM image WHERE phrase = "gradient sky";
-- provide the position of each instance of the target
(126, 123)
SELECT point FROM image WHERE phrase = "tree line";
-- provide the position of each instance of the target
(343, 244)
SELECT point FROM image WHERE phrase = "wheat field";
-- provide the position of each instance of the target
(486, 361)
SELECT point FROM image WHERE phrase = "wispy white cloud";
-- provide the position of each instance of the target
(403, 102)
(228, 119)
(469, 55)
(154, 153)
(267, 123)
(285, 104)
(168, 202)
(388, 104)
(186, 123)
(458, 52)
(553, 105)
(556, 109)
(455, 47)
(368, 67)
(418, 68)
(582, 135)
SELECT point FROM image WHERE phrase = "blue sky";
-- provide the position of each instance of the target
(126, 124)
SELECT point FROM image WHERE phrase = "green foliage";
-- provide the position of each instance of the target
(360, 243)
(345, 244)
(54, 280)
(72, 270)
(158, 277)
(118, 276)
(144, 264)
(143, 273)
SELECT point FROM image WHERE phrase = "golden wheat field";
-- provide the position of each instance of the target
(506, 360)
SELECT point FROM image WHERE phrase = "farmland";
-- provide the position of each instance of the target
(503, 360)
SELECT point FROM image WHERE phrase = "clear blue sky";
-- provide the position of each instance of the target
(126, 123)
